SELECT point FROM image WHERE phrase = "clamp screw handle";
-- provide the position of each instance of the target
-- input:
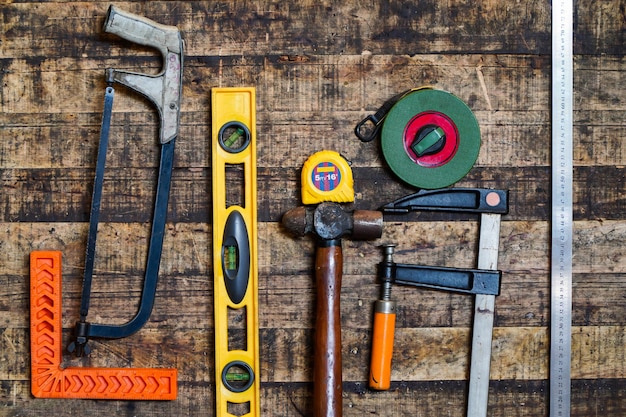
(383, 332)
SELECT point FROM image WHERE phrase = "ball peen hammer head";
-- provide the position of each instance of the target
(330, 221)
(327, 181)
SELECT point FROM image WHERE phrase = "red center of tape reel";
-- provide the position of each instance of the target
(425, 120)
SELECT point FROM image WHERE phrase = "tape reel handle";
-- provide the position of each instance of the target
(368, 129)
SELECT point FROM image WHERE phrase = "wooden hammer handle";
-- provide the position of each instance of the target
(327, 389)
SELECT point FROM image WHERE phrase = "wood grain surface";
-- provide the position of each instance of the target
(319, 67)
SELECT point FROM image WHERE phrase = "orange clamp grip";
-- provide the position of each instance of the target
(382, 345)
(49, 379)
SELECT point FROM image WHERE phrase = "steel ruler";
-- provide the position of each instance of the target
(235, 267)
(562, 219)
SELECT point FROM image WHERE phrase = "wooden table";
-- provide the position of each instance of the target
(319, 67)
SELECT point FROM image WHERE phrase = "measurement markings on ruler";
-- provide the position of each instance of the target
(562, 220)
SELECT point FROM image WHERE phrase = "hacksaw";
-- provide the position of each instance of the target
(235, 267)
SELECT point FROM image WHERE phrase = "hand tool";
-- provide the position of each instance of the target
(429, 138)
(235, 258)
(329, 221)
(562, 219)
(384, 328)
(484, 282)
(48, 378)
(164, 91)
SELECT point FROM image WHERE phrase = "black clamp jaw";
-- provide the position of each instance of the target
(455, 200)
(461, 280)
(467, 281)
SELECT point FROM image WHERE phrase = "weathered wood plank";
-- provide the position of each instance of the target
(286, 285)
(61, 195)
(507, 398)
(185, 302)
(509, 137)
(436, 243)
(308, 26)
(296, 27)
(321, 83)
(420, 354)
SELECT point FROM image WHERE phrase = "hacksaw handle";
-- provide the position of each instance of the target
(164, 89)
(327, 389)
(141, 30)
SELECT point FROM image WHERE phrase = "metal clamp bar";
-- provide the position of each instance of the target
(484, 308)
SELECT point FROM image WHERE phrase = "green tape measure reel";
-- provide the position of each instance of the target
(430, 138)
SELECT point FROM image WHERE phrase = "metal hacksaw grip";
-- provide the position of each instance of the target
(235, 251)
(164, 89)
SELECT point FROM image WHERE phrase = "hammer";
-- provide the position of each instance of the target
(329, 222)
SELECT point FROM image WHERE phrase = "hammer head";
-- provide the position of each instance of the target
(330, 221)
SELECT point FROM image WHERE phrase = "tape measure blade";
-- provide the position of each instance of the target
(562, 218)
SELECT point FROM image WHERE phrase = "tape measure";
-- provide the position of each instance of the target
(562, 220)
(235, 252)
(327, 176)
(430, 139)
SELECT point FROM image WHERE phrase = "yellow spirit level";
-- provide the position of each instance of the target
(235, 251)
